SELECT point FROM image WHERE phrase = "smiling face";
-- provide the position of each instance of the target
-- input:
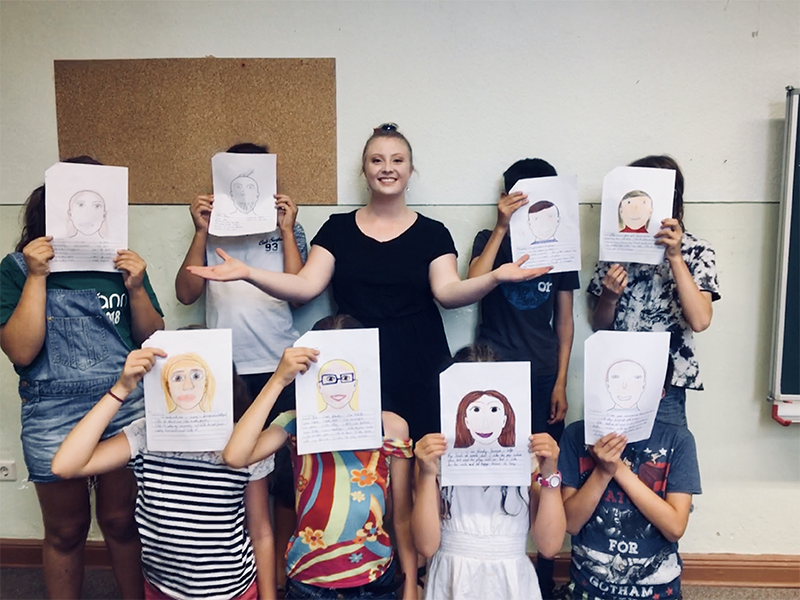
(337, 384)
(387, 166)
(625, 381)
(485, 419)
(244, 193)
(544, 222)
(87, 211)
(635, 211)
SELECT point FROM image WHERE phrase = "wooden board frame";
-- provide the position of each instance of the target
(166, 118)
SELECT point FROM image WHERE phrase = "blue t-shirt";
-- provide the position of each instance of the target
(618, 552)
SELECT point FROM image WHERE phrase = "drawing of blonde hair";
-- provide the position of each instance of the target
(189, 359)
(346, 367)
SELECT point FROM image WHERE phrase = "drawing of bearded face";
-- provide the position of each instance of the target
(244, 193)
(625, 382)
(87, 213)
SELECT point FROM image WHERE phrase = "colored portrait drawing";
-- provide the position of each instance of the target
(543, 220)
(188, 383)
(635, 202)
(339, 397)
(337, 387)
(625, 382)
(546, 227)
(635, 211)
(86, 216)
(485, 418)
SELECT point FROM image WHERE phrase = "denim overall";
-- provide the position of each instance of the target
(81, 358)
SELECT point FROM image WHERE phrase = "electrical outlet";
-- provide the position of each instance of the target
(8, 470)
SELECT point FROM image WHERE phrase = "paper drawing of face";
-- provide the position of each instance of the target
(87, 214)
(625, 382)
(337, 386)
(485, 418)
(244, 193)
(635, 210)
(188, 383)
(543, 220)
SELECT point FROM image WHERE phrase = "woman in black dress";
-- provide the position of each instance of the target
(387, 264)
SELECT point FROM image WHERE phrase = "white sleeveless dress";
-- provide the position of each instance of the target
(482, 554)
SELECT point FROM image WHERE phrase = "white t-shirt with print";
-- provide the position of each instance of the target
(262, 325)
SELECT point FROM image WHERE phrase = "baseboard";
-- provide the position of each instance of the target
(28, 553)
(727, 570)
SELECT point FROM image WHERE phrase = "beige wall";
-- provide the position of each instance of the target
(587, 85)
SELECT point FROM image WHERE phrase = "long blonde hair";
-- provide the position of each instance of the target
(193, 358)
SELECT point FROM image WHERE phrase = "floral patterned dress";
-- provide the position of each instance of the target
(340, 497)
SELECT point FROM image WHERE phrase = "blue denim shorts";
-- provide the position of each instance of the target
(384, 587)
(50, 410)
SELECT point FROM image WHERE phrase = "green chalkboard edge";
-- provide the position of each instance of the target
(785, 369)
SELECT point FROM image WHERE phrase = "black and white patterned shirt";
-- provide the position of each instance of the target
(650, 302)
(191, 518)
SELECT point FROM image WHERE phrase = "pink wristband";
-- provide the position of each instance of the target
(115, 397)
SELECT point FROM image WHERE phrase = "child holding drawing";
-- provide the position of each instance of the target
(528, 320)
(67, 335)
(196, 516)
(627, 505)
(477, 535)
(262, 326)
(340, 548)
(673, 296)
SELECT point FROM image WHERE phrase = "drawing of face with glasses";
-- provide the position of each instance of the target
(337, 387)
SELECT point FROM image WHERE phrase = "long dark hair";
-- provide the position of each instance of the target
(477, 352)
(33, 219)
(662, 161)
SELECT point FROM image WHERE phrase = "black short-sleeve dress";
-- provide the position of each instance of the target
(386, 285)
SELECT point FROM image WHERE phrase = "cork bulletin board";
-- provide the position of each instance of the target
(166, 118)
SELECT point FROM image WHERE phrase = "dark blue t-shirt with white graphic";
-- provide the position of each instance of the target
(618, 552)
(517, 318)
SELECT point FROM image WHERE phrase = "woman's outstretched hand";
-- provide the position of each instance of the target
(231, 270)
(513, 272)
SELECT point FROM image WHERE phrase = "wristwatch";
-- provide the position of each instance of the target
(553, 481)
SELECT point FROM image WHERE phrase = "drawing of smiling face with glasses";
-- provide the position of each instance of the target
(337, 387)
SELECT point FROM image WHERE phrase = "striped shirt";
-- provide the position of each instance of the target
(191, 518)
